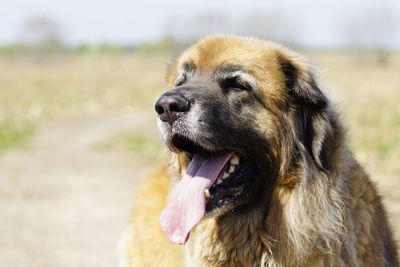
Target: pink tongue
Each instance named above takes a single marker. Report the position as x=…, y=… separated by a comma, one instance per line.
x=187, y=202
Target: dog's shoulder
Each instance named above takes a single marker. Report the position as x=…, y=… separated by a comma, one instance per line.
x=143, y=242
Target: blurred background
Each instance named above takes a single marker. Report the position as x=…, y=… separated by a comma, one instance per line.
x=78, y=81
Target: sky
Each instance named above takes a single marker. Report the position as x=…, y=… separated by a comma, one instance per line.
x=133, y=21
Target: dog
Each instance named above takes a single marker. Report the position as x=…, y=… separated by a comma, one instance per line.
x=260, y=173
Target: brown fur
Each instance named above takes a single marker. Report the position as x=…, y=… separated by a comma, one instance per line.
x=311, y=217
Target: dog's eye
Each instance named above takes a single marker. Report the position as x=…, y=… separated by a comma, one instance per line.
x=181, y=80
x=234, y=83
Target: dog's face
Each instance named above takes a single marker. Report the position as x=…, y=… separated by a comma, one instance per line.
x=243, y=97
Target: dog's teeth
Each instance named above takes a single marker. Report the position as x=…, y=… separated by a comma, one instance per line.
x=207, y=193
x=226, y=175
x=231, y=169
x=219, y=181
x=234, y=160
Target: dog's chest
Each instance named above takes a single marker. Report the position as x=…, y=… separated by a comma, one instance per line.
x=206, y=247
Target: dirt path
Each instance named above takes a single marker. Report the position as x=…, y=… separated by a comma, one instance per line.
x=61, y=202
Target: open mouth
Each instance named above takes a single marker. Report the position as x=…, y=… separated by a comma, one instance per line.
x=213, y=179
x=230, y=182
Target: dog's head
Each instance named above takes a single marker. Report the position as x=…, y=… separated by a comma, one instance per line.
x=241, y=112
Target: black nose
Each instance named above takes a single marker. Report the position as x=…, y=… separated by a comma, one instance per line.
x=170, y=106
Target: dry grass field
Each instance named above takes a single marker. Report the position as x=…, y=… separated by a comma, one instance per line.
x=78, y=131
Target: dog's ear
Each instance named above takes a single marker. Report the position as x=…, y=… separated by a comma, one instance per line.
x=311, y=108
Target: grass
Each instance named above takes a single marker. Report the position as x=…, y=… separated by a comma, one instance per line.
x=14, y=133
x=76, y=85
x=131, y=142
x=73, y=86
x=135, y=143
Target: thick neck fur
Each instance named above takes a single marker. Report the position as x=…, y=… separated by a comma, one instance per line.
x=297, y=226
x=294, y=226
x=223, y=241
